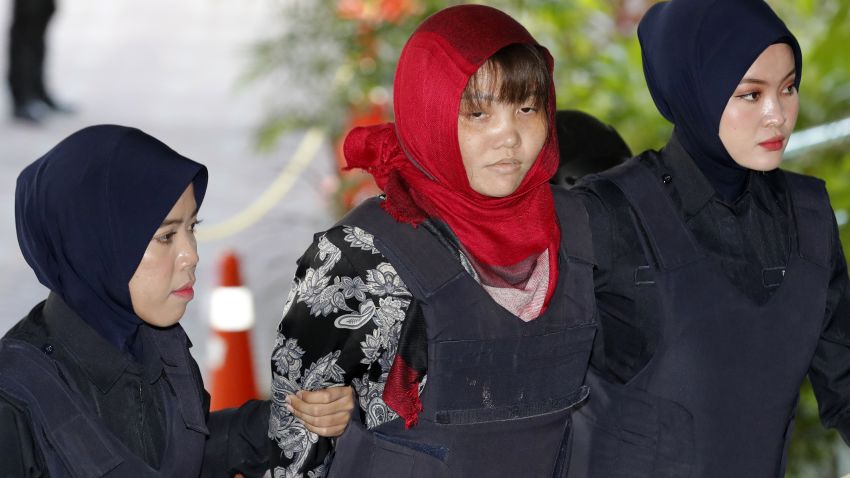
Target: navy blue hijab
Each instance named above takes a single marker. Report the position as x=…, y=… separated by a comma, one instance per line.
x=86, y=211
x=695, y=52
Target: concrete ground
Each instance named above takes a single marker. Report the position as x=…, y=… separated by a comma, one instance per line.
x=174, y=70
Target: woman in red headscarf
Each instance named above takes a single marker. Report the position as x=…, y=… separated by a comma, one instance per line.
x=452, y=304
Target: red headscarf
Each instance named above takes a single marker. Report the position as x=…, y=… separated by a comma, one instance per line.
x=418, y=163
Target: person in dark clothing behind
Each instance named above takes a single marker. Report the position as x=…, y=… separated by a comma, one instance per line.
x=98, y=379
x=721, y=280
x=586, y=146
x=27, y=50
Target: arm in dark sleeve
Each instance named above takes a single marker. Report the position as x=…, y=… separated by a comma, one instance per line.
x=627, y=313
x=19, y=456
x=238, y=441
x=600, y=226
x=830, y=368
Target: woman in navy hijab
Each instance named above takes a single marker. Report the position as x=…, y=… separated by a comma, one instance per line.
x=98, y=379
x=721, y=280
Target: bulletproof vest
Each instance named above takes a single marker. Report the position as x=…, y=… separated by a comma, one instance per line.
x=74, y=440
x=499, y=391
x=719, y=395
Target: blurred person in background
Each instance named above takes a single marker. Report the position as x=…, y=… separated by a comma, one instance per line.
x=586, y=146
x=31, y=101
x=454, y=305
x=98, y=380
x=721, y=280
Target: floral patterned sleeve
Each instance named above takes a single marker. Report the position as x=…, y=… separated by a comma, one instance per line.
x=341, y=325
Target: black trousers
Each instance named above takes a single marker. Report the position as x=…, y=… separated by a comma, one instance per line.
x=27, y=50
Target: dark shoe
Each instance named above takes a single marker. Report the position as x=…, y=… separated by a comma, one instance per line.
x=33, y=111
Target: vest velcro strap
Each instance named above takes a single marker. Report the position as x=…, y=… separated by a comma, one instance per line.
x=511, y=412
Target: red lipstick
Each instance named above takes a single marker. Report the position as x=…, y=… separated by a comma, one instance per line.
x=773, y=144
x=185, y=291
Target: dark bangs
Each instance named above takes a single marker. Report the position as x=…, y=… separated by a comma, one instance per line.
x=519, y=73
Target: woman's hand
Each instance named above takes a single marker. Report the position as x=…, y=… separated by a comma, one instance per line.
x=324, y=412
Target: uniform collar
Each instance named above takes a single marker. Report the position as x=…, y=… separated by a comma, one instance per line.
x=693, y=188
x=101, y=361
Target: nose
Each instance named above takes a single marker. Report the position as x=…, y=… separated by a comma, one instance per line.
x=508, y=133
x=774, y=113
x=187, y=253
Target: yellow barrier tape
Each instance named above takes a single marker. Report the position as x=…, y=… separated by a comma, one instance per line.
x=304, y=154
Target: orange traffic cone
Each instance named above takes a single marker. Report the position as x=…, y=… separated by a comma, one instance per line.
x=231, y=318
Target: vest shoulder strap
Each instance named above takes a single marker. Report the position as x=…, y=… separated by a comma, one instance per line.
x=812, y=216
x=173, y=345
x=421, y=259
x=668, y=236
x=57, y=412
x=576, y=238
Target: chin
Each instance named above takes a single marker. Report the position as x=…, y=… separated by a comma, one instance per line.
x=763, y=161
x=165, y=319
x=768, y=163
x=499, y=190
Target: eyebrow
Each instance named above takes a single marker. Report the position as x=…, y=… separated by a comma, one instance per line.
x=756, y=81
x=478, y=97
x=171, y=222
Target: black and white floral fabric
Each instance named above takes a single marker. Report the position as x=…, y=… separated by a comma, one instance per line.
x=341, y=325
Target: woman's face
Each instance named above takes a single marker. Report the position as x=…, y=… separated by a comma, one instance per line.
x=162, y=284
x=499, y=142
x=760, y=115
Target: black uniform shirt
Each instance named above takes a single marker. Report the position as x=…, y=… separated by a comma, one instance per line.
x=126, y=396
x=120, y=388
x=751, y=239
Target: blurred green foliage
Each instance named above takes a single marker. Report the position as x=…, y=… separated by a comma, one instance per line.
x=344, y=66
